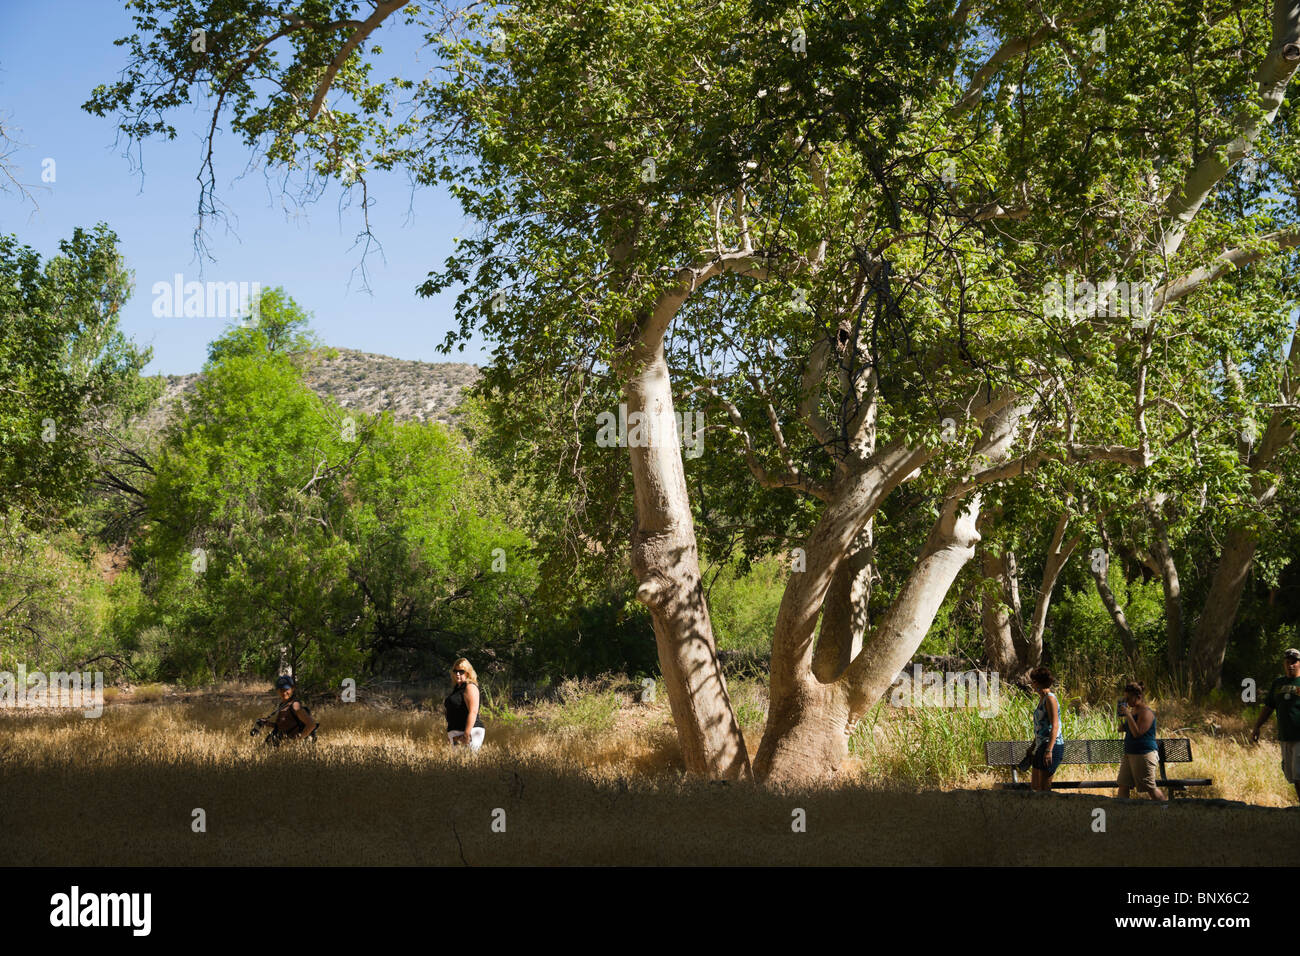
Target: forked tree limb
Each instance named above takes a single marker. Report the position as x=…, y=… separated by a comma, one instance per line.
x=382, y=12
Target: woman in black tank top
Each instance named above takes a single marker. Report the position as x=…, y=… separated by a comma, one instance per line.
x=462, y=706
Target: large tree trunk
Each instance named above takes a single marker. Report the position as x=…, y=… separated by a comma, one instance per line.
x=807, y=733
x=1210, y=642
x=844, y=614
x=1116, y=614
x=996, y=613
x=809, y=721
x=950, y=546
x=806, y=737
x=666, y=564
x=1162, y=558
x=805, y=730
x=1058, y=552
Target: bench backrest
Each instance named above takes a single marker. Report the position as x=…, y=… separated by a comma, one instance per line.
x=1007, y=753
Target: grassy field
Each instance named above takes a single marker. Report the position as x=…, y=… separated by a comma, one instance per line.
x=587, y=776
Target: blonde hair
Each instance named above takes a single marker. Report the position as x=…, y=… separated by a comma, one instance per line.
x=470, y=675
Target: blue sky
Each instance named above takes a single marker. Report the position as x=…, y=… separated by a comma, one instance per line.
x=54, y=52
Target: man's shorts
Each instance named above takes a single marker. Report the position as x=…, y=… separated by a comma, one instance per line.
x=1291, y=760
x=1140, y=771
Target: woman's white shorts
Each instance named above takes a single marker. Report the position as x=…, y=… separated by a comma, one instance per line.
x=475, y=736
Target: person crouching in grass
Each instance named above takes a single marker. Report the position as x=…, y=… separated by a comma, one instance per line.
x=293, y=721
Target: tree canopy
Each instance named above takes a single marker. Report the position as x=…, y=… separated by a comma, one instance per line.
x=65, y=368
x=934, y=268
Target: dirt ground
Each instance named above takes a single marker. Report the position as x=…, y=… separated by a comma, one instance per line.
x=484, y=812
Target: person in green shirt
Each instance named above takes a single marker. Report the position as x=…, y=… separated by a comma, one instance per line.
x=1284, y=697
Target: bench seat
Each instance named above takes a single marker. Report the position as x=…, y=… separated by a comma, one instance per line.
x=1008, y=753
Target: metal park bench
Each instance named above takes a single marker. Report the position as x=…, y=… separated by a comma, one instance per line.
x=1008, y=753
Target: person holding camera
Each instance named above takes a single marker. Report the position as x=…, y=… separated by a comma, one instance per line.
x=1049, y=741
x=292, y=720
x=1141, y=762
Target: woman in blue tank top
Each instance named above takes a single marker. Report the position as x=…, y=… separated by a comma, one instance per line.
x=1141, y=757
x=1049, y=741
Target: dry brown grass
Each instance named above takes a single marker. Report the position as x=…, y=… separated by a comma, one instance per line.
x=382, y=787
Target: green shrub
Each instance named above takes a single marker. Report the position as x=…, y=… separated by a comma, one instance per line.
x=588, y=706
x=1084, y=648
x=496, y=706
x=749, y=702
x=743, y=607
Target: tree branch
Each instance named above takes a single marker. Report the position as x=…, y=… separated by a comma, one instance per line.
x=382, y=12
x=1273, y=76
x=1009, y=50
x=1226, y=261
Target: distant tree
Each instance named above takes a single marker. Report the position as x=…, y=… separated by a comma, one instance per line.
x=277, y=520
x=276, y=325
x=65, y=367
x=57, y=610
